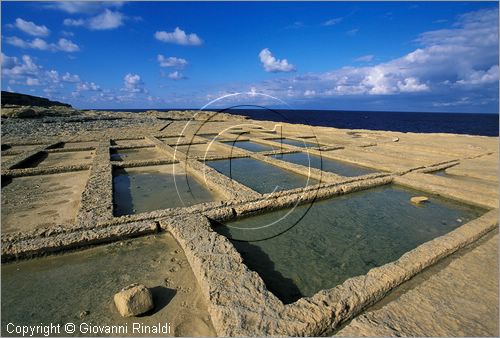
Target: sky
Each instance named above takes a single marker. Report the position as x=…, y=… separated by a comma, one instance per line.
x=388, y=56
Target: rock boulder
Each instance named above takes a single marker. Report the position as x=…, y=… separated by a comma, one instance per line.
x=133, y=300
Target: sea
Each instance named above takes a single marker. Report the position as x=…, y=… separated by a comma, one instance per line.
x=416, y=122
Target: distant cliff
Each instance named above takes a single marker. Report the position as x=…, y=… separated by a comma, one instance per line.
x=17, y=99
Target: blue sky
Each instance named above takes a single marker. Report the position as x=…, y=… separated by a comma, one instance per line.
x=397, y=56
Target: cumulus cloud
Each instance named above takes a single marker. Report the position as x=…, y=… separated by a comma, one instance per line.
x=273, y=65
x=448, y=62
x=71, y=78
x=87, y=86
x=68, y=46
x=176, y=76
x=24, y=71
x=178, y=36
x=31, y=28
x=106, y=20
x=480, y=77
x=132, y=83
x=83, y=7
x=171, y=61
x=62, y=45
x=14, y=68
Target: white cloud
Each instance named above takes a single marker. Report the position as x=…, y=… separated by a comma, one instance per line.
x=106, y=20
x=178, y=36
x=133, y=84
x=53, y=76
x=171, y=61
x=15, y=68
x=332, y=22
x=83, y=7
x=176, y=76
x=31, y=28
x=87, y=86
x=481, y=77
x=31, y=81
x=412, y=85
x=273, y=65
x=71, y=78
x=447, y=61
x=63, y=45
x=25, y=71
x=364, y=58
x=74, y=22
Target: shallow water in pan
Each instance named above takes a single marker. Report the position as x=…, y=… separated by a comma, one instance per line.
x=251, y=146
x=260, y=176
x=325, y=164
x=78, y=287
x=320, y=246
x=144, y=189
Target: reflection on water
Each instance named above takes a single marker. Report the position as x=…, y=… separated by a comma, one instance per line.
x=340, y=238
x=260, y=176
x=137, y=190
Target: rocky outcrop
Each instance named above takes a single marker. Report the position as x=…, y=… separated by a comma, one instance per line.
x=17, y=99
x=36, y=112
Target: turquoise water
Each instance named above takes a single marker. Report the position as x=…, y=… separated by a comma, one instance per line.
x=260, y=176
x=325, y=164
x=320, y=246
x=137, y=190
x=251, y=146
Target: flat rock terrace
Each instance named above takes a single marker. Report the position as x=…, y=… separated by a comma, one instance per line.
x=74, y=182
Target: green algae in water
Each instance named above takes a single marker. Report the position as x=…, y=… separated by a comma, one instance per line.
x=137, y=190
x=250, y=146
x=318, y=248
x=57, y=289
x=260, y=176
x=325, y=164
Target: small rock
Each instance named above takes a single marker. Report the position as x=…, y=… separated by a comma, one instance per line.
x=174, y=269
x=419, y=199
x=133, y=300
x=395, y=139
x=83, y=314
x=459, y=220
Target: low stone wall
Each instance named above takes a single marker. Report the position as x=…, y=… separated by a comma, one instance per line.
x=240, y=304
